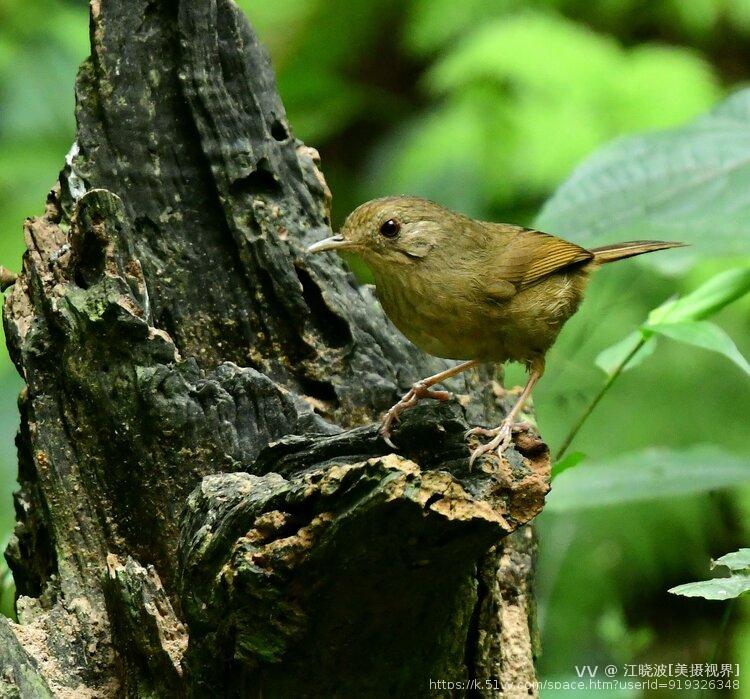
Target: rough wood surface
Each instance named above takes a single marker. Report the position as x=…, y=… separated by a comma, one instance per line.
x=205, y=505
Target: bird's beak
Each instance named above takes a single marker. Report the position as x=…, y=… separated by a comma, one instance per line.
x=335, y=242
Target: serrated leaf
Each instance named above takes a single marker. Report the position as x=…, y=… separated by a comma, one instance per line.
x=708, y=299
x=650, y=474
x=610, y=359
x=737, y=560
x=702, y=333
x=690, y=184
x=718, y=588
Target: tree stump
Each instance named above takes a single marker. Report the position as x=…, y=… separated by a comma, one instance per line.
x=206, y=508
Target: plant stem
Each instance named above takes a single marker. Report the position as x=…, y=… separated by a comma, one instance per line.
x=590, y=407
x=720, y=636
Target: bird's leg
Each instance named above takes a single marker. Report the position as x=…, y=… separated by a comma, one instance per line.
x=421, y=389
x=501, y=435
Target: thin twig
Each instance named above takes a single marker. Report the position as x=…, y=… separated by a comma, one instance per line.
x=589, y=409
x=720, y=638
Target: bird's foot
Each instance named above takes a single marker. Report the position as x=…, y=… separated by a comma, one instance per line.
x=416, y=393
x=500, y=441
x=501, y=438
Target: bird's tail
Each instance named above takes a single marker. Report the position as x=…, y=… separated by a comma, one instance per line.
x=619, y=251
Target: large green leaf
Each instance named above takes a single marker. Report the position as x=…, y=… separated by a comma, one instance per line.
x=646, y=475
x=703, y=334
x=690, y=184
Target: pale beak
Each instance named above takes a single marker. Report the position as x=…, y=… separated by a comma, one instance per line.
x=333, y=243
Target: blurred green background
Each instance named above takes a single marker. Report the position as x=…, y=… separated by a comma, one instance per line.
x=487, y=106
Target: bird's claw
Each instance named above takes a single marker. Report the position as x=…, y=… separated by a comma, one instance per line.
x=501, y=438
x=386, y=436
x=389, y=418
x=416, y=393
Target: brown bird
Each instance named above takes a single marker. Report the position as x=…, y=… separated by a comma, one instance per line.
x=471, y=290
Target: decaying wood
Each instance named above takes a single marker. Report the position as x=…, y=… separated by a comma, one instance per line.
x=205, y=506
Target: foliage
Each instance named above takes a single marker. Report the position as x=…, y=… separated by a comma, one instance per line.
x=497, y=103
x=435, y=22
x=568, y=461
x=607, y=194
x=735, y=584
x=684, y=320
x=681, y=320
x=651, y=474
x=688, y=184
x=665, y=185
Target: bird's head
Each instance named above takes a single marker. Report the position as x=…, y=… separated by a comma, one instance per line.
x=392, y=231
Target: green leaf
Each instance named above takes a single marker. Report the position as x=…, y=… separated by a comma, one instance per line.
x=646, y=475
x=722, y=588
x=689, y=184
x=708, y=299
x=569, y=461
x=610, y=359
x=702, y=333
x=718, y=588
x=679, y=319
x=737, y=560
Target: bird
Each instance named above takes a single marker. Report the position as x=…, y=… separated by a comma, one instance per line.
x=471, y=290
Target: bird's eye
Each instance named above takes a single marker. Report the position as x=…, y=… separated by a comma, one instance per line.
x=390, y=228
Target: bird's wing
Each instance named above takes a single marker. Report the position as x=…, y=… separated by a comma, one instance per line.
x=523, y=256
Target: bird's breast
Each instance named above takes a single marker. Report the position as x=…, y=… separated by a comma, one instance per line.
x=444, y=319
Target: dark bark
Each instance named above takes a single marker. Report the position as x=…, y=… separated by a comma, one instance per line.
x=205, y=505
